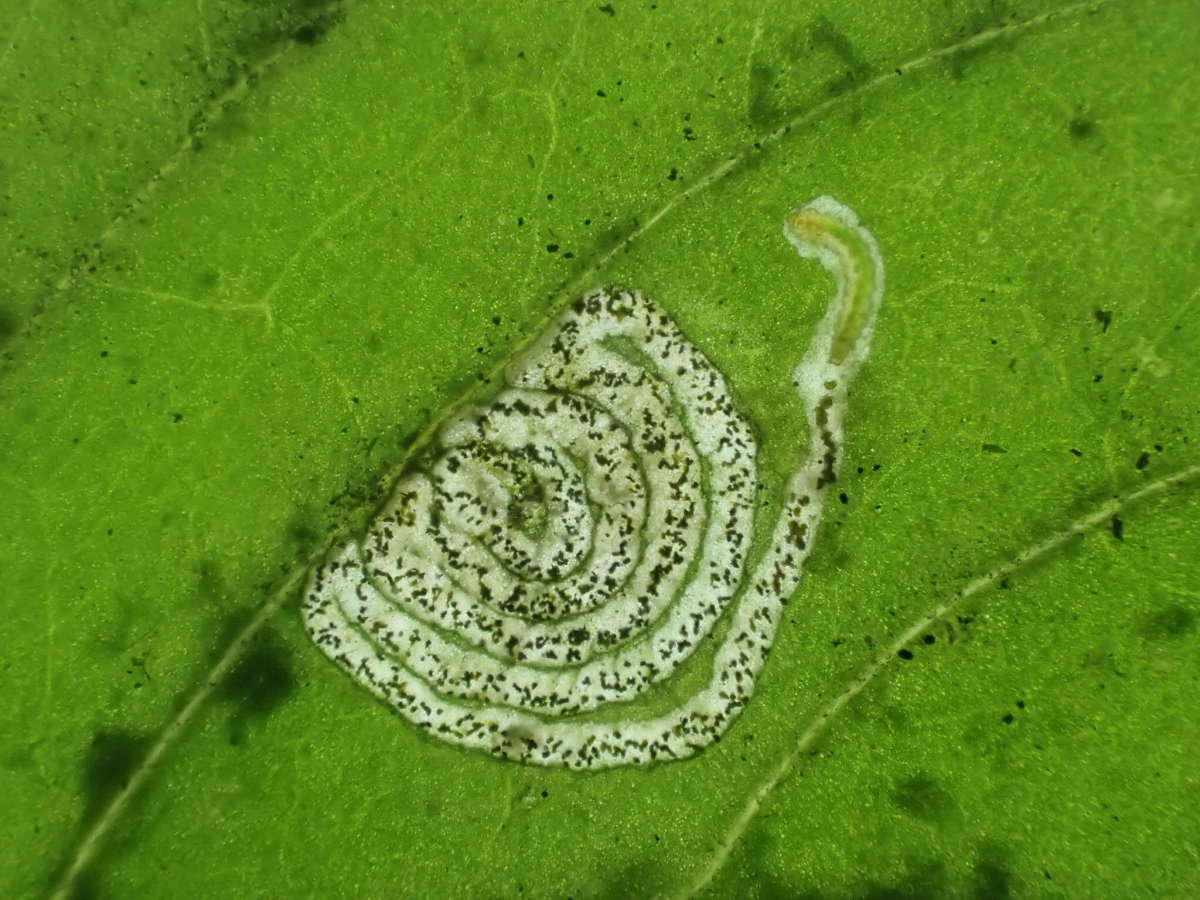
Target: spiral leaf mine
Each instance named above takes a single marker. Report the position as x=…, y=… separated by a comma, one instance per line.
x=561, y=551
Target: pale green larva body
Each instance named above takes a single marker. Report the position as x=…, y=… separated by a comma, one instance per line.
x=830, y=232
x=566, y=546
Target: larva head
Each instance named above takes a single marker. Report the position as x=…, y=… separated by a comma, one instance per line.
x=809, y=224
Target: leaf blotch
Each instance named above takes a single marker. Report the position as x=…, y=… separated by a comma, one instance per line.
x=302, y=22
x=260, y=682
x=1080, y=128
x=977, y=24
x=208, y=279
x=301, y=533
x=307, y=35
x=758, y=866
x=209, y=582
x=109, y=763
x=642, y=878
x=8, y=326
x=1170, y=622
x=478, y=45
x=86, y=887
x=924, y=880
x=374, y=343
x=922, y=797
x=825, y=35
x=111, y=760
x=993, y=876
x=764, y=111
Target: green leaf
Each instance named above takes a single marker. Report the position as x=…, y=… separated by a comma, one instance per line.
x=251, y=250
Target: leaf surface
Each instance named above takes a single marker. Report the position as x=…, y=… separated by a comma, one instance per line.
x=250, y=251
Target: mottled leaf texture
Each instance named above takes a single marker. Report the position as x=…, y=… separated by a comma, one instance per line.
x=252, y=254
